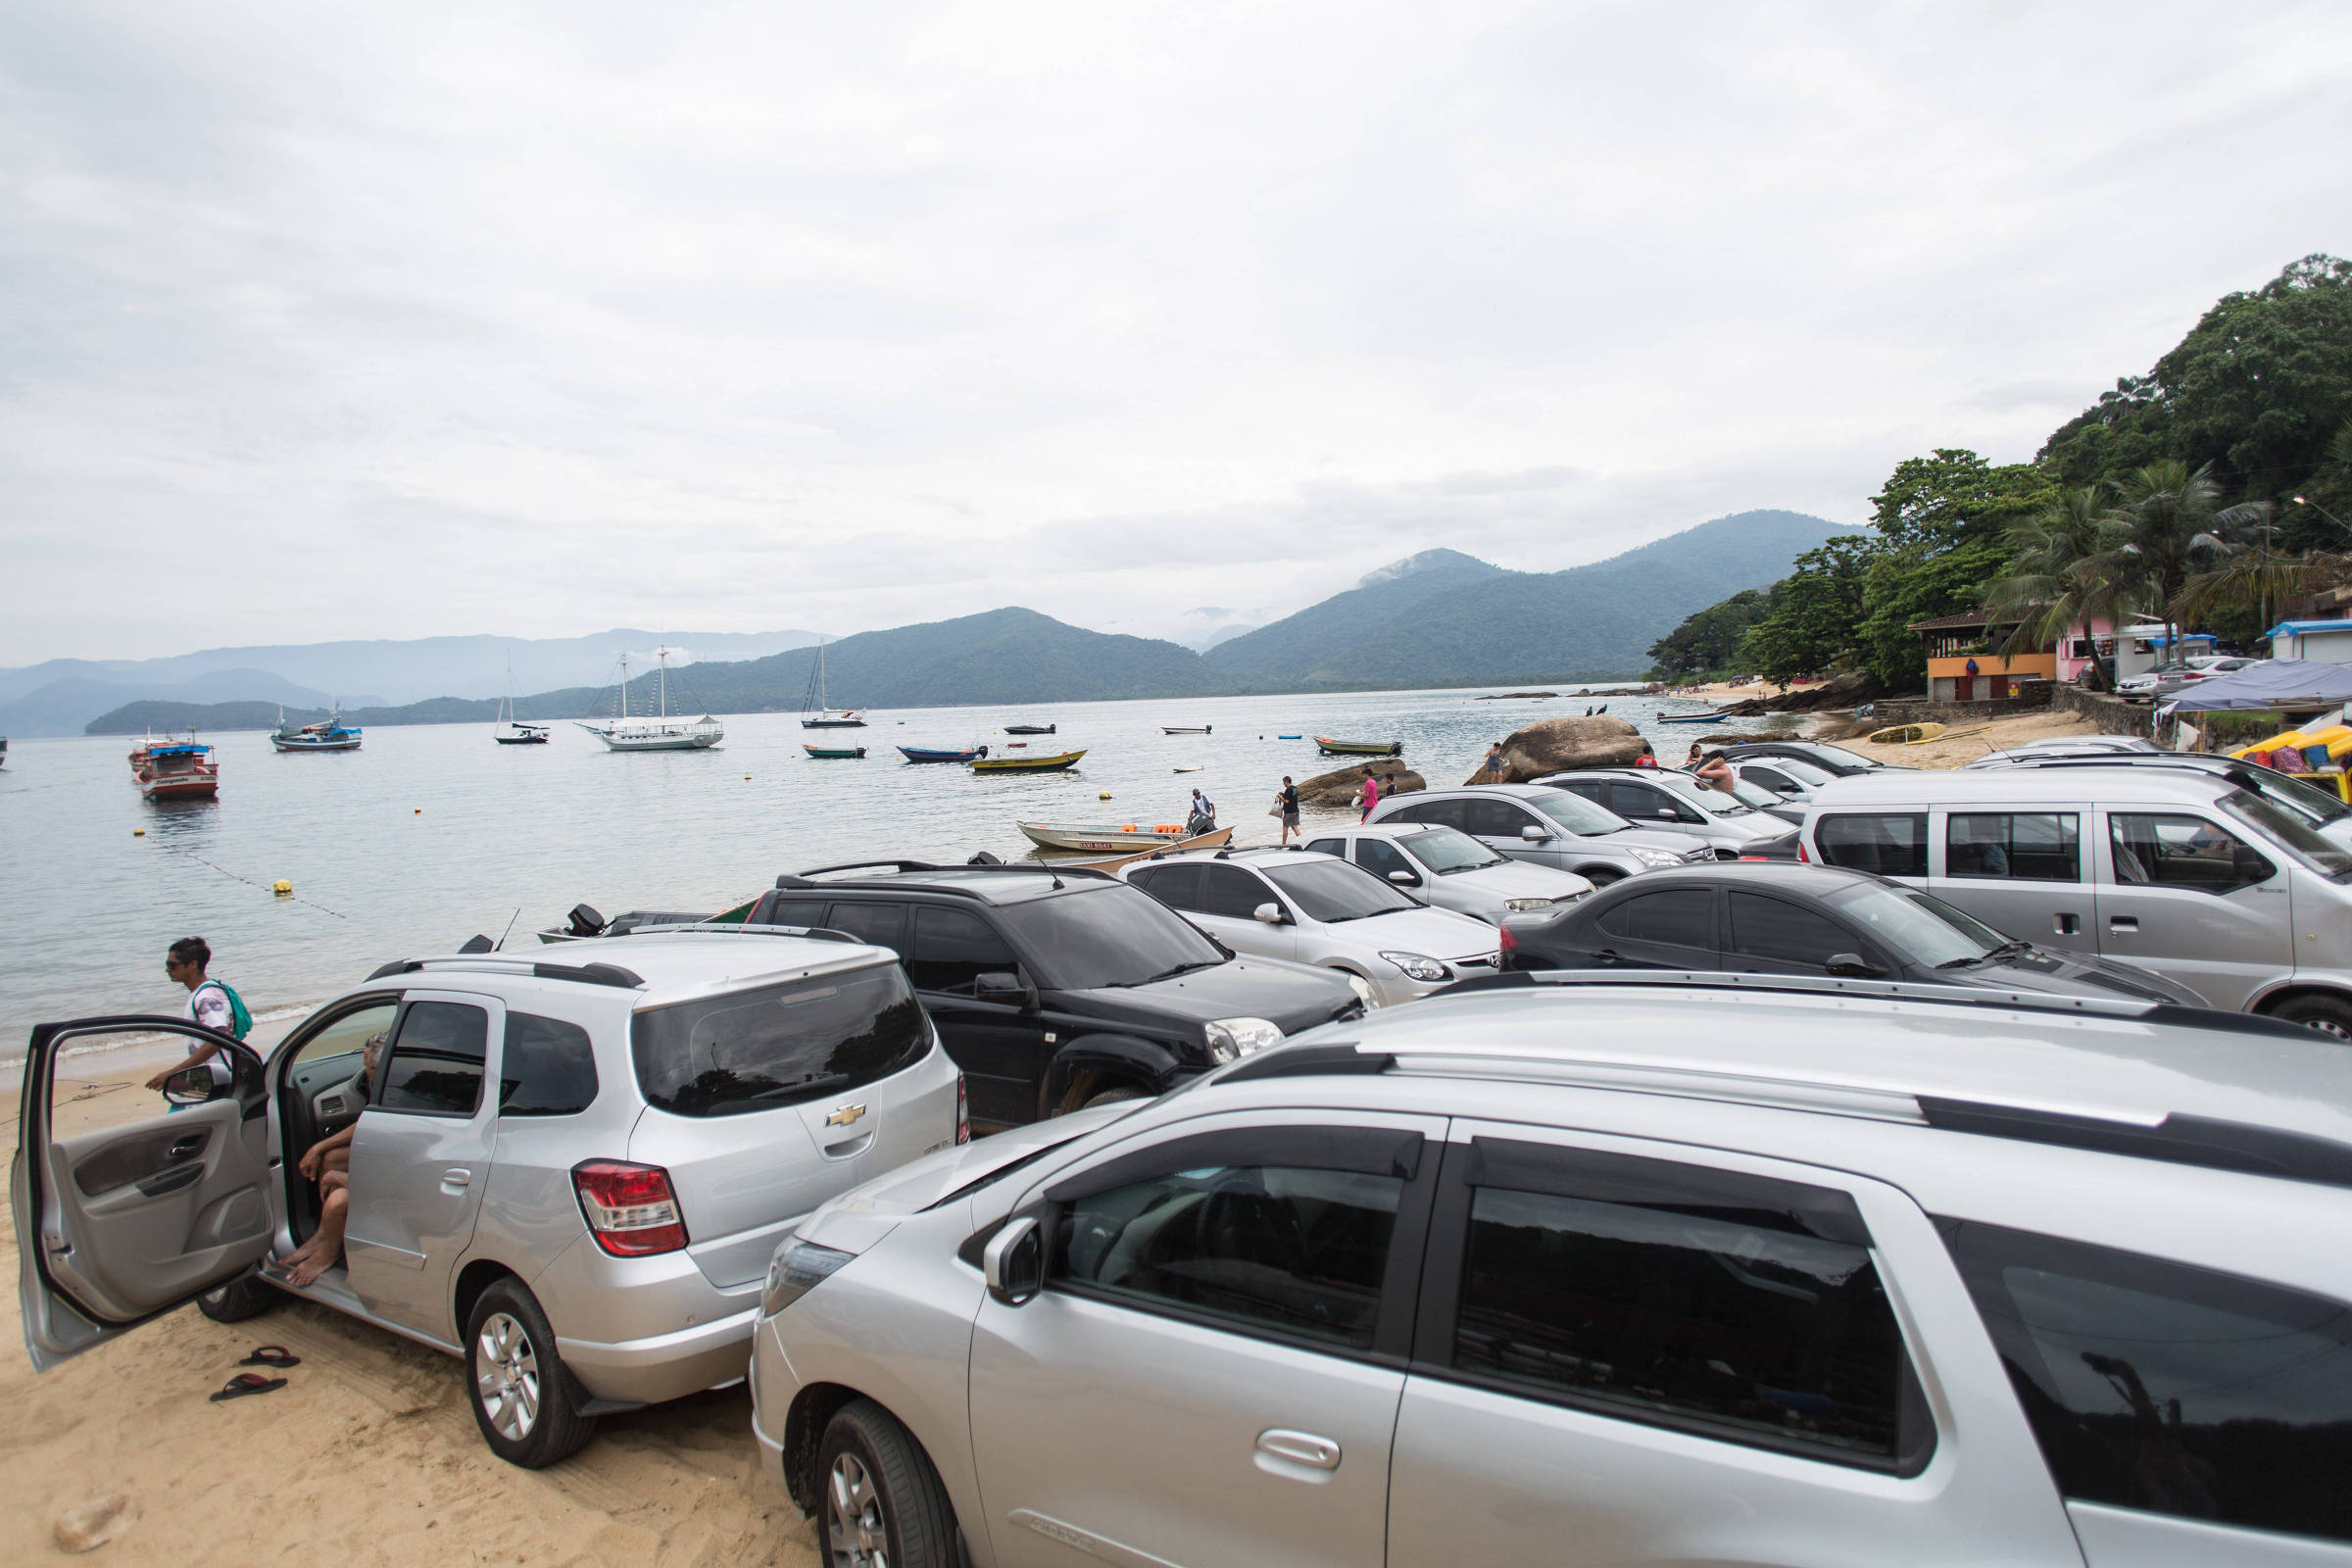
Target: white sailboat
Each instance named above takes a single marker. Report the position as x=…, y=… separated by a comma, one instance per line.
x=660, y=732
x=814, y=714
x=511, y=731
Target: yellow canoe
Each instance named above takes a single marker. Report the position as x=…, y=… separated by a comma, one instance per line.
x=1906, y=734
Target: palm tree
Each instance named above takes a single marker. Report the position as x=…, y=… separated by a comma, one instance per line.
x=2058, y=583
x=2169, y=527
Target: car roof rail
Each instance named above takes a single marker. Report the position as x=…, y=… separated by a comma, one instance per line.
x=815, y=933
x=800, y=879
x=595, y=974
x=1833, y=985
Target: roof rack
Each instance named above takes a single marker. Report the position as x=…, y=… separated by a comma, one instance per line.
x=800, y=879
x=805, y=879
x=815, y=933
x=1831, y=985
x=592, y=974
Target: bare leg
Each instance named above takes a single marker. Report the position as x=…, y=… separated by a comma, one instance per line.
x=331, y=1183
x=325, y=1247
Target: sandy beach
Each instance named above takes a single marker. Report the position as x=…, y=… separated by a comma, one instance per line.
x=367, y=1456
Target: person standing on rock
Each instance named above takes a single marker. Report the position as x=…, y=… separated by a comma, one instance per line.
x=1286, y=801
x=1493, y=771
x=1369, y=796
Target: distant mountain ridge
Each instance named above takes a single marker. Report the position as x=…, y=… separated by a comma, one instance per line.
x=1437, y=619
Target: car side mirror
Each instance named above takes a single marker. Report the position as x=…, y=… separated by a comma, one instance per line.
x=191, y=1086
x=1534, y=835
x=1404, y=879
x=1271, y=914
x=1852, y=966
x=996, y=985
x=1014, y=1261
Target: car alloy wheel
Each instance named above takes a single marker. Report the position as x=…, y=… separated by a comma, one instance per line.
x=508, y=1377
x=856, y=1533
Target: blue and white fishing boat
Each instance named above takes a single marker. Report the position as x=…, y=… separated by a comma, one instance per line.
x=329, y=734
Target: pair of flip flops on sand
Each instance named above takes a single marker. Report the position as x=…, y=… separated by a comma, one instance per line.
x=245, y=1383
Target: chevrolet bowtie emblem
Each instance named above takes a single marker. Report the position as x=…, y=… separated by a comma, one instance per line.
x=843, y=1116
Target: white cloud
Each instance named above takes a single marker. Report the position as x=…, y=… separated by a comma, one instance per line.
x=540, y=317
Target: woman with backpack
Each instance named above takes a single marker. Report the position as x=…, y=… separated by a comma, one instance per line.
x=211, y=1005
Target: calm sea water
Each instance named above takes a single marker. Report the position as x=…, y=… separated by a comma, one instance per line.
x=431, y=833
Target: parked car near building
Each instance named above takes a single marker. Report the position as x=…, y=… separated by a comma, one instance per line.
x=2187, y=873
x=1562, y=1272
x=1544, y=826
x=1809, y=920
x=1821, y=754
x=1294, y=903
x=569, y=1175
x=1055, y=988
x=1448, y=868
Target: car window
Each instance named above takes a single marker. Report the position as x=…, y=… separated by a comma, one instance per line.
x=348, y=1034
x=2158, y=1386
x=777, y=1044
x=1449, y=814
x=1772, y=778
x=1782, y=932
x=1107, y=934
x=952, y=948
x=1590, y=789
x=1497, y=820
x=797, y=911
x=1176, y=886
x=2290, y=829
x=2020, y=845
x=1580, y=817
x=1745, y=1307
x=1379, y=856
x=1338, y=847
x=1332, y=891
x=1889, y=844
x=1923, y=928
x=1682, y=916
x=882, y=924
x=1296, y=1251
x=548, y=1068
x=1445, y=851
x=1232, y=893
x=435, y=1062
x=1638, y=803
x=1810, y=774
x=2158, y=850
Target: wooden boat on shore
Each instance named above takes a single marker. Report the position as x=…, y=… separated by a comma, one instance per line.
x=1693, y=719
x=833, y=753
x=175, y=770
x=1185, y=729
x=1332, y=748
x=1029, y=729
x=1103, y=840
x=1051, y=763
x=933, y=754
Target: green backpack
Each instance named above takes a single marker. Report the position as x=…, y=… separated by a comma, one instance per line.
x=240, y=1017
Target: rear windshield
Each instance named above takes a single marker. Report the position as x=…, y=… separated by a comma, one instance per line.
x=777, y=1044
x=1109, y=935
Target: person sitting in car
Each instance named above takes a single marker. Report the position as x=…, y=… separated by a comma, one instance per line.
x=327, y=1163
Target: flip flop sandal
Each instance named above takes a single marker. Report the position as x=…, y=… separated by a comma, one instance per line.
x=245, y=1383
x=271, y=1355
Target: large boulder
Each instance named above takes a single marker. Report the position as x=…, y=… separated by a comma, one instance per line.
x=1553, y=744
x=1339, y=788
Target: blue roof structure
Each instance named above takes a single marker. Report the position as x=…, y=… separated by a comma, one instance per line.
x=2297, y=628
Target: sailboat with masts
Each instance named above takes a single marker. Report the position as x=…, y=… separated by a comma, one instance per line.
x=814, y=714
x=658, y=732
x=511, y=730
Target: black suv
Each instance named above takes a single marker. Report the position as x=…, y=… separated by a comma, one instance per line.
x=1056, y=987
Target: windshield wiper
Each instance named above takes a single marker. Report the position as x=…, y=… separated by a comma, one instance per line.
x=2007, y=950
x=1165, y=974
x=807, y=1086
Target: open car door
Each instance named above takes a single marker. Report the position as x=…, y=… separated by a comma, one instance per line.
x=118, y=1224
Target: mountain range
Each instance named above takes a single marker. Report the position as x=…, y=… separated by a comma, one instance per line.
x=1437, y=619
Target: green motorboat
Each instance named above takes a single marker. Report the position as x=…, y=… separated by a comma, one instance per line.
x=830, y=753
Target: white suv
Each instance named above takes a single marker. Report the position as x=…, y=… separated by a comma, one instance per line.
x=1612, y=1269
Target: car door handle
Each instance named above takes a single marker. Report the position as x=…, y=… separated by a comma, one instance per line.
x=186, y=1148
x=2122, y=922
x=2066, y=925
x=456, y=1176
x=1608, y=956
x=1298, y=1448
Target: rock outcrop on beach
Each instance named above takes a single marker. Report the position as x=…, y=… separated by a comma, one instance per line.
x=1551, y=745
x=1339, y=788
x=1838, y=690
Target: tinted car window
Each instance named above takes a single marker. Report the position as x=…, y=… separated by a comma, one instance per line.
x=1691, y=1309
x=953, y=949
x=1784, y=933
x=2157, y=1386
x=436, y=1059
x=1682, y=916
x=1296, y=1251
x=1580, y=817
x=1337, y=847
x=1637, y=802
x=1925, y=929
x=2288, y=828
x=1335, y=891
x=882, y=924
x=1107, y=934
x=1497, y=820
x=1176, y=886
x=797, y=911
x=1450, y=813
x=1772, y=778
x=548, y=1068
x=777, y=1044
x=1379, y=856
x=2023, y=846
x=2153, y=850
x=1229, y=892
x=1893, y=844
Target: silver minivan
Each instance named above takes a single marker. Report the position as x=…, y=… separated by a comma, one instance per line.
x=569, y=1174
x=2178, y=870
x=1546, y=826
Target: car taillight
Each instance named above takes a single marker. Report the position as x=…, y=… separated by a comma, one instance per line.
x=1507, y=943
x=963, y=1112
x=1801, y=853
x=1755, y=857
x=631, y=1210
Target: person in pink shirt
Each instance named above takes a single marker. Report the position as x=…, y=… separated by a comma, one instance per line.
x=1370, y=795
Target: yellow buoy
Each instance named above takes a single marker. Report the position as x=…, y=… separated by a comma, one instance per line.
x=283, y=887
x=1105, y=796
x=421, y=811
x=138, y=832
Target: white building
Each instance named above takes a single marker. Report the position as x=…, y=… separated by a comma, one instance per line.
x=2330, y=642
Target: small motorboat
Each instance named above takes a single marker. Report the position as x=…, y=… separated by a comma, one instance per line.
x=1332, y=748
x=329, y=734
x=175, y=770
x=522, y=735
x=1054, y=763
x=932, y=753
x=1028, y=729
x=1185, y=729
x=1133, y=836
x=833, y=753
x=1298, y=737
x=1693, y=719
x=1187, y=767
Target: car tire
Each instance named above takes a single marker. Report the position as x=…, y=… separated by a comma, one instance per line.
x=1600, y=876
x=879, y=1498
x=522, y=1396
x=238, y=1300
x=2328, y=1016
x=1113, y=1094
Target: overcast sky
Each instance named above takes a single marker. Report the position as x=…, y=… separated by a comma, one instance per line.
x=336, y=321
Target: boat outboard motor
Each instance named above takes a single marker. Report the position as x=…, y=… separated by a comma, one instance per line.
x=586, y=922
x=478, y=943
x=984, y=858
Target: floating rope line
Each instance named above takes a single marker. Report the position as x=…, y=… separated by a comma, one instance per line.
x=171, y=849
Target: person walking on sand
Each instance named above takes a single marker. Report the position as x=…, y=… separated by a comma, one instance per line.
x=211, y=1005
x=1493, y=771
x=1286, y=801
x=1369, y=796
